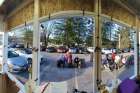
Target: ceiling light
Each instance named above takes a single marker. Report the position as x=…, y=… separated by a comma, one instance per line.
x=1, y=2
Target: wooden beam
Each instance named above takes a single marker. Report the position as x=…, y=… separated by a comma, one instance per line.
x=23, y=5
x=97, y=63
x=137, y=47
x=36, y=44
x=125, y=5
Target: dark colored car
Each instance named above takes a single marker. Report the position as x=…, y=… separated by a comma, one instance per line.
x=51, y=49
x=126, y=50
x=62, y=49
x=73, y=50
x=42, y=48
x=13, y=45
x=28, y=50
x=82, y=50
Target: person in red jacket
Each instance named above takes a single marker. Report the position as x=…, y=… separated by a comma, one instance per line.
x=113, y=56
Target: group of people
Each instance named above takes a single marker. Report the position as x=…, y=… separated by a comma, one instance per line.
x=67, y=60
x=114, y=61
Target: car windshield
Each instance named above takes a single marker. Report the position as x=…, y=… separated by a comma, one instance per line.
x=12, y=54
x=50, y=47
x=28, y=51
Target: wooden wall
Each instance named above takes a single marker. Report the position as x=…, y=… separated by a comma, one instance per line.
x=52, y=6
x=7, y=86
x=20, y=17
x=47, y=7
x=116, y=11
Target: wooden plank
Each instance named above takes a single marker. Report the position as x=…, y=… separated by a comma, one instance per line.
x=109, y=7
x=113, y=9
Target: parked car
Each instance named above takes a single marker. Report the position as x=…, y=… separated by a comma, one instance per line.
x=42, y=48
x=82, y=50
x=51, y=49
x=62, y=49
x=125, y=50
x=132, y=50
x=12, y=45
x=20, y=46
x=106, y=51
x=16, y=63
x=73, y=50
x=27, y=53
x=90, y=49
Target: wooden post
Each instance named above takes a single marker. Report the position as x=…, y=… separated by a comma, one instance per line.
x=5, y=48
x=97, y=66
x=3, y=79
x=36, y=45
x=137, y=69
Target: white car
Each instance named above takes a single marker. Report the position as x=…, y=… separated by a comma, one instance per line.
x=27, y=53
x=106, y=51
x=90, y=49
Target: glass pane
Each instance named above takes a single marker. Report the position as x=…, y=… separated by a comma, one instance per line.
x=20, y=42
x=117, y=52
x=67, y=43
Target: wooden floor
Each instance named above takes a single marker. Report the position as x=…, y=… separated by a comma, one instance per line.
x=6, y=85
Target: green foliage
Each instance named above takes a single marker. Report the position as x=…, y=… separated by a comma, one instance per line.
x=89, y=41
x=110, y=36
x=73, y=30
x=106, y=34
x=125, y=39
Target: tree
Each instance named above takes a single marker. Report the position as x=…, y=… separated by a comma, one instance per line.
x=106, y=34
x=83, y=27
x=49, y=29
x=74, y=30
x=110, y=34
x=69, y=32
x=28, y=37
x=64, y=31
x=125, y=41
x=89, y=40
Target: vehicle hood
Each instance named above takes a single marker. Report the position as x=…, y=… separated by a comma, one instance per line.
x=19, y=61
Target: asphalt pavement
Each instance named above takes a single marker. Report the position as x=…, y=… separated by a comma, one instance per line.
x=73, y=78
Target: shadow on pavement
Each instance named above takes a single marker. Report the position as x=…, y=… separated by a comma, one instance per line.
x=53, y=74
x=126, y=73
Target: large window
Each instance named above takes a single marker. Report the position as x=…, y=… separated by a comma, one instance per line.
x=20, y=42
x=117, y=52
x=62, y=36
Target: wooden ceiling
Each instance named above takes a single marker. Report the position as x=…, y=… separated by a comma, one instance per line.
x=9, y=5
x=133, y=4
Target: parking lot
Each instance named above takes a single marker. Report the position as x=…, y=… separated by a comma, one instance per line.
x=73, y=78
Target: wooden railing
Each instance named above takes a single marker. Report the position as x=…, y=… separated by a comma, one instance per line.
x=10, y=84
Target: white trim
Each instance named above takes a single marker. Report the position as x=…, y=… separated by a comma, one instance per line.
x=115, y=20
x=70, y=13
x=22, y=25
x=18, y=83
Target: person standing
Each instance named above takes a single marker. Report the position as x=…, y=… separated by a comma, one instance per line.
x=68, y=57
x=113, y=56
